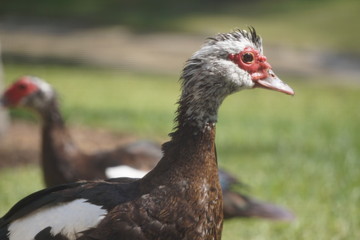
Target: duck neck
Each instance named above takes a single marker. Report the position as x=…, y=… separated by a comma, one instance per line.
x=197, y=146
x=197, y=111
x=58, y=148
x=192, y=145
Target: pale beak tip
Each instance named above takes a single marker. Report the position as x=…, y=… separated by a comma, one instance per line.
x=288, y=90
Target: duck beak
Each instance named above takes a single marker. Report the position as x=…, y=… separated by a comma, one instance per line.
x=272, y=82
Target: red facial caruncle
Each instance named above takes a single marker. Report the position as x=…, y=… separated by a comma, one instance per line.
x=18, y=90
x=253, y=62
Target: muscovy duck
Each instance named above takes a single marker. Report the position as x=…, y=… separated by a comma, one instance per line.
x=63, y=162
x=181, y=197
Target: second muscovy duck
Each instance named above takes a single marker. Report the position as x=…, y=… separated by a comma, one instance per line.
x=181, y=197
x=63, y=162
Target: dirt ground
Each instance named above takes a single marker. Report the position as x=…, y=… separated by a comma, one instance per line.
x=21, y=144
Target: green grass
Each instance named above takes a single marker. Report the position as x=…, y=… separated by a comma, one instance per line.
x=16, y=183
x=301, y=152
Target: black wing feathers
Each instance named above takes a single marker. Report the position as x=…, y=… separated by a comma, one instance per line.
x=103, y=193
x=45, y=234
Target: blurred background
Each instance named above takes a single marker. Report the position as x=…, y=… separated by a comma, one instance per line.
x=116, y=65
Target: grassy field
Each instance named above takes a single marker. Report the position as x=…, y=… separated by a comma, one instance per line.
x=301, y=152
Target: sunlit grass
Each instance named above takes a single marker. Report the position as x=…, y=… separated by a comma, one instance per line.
x=16, y=183
x=301, y=152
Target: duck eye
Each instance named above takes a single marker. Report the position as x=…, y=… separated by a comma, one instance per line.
x=22, y=87
x=247, y=57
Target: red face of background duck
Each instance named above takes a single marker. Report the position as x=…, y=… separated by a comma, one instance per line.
x=20, y=89
x=29, y=92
